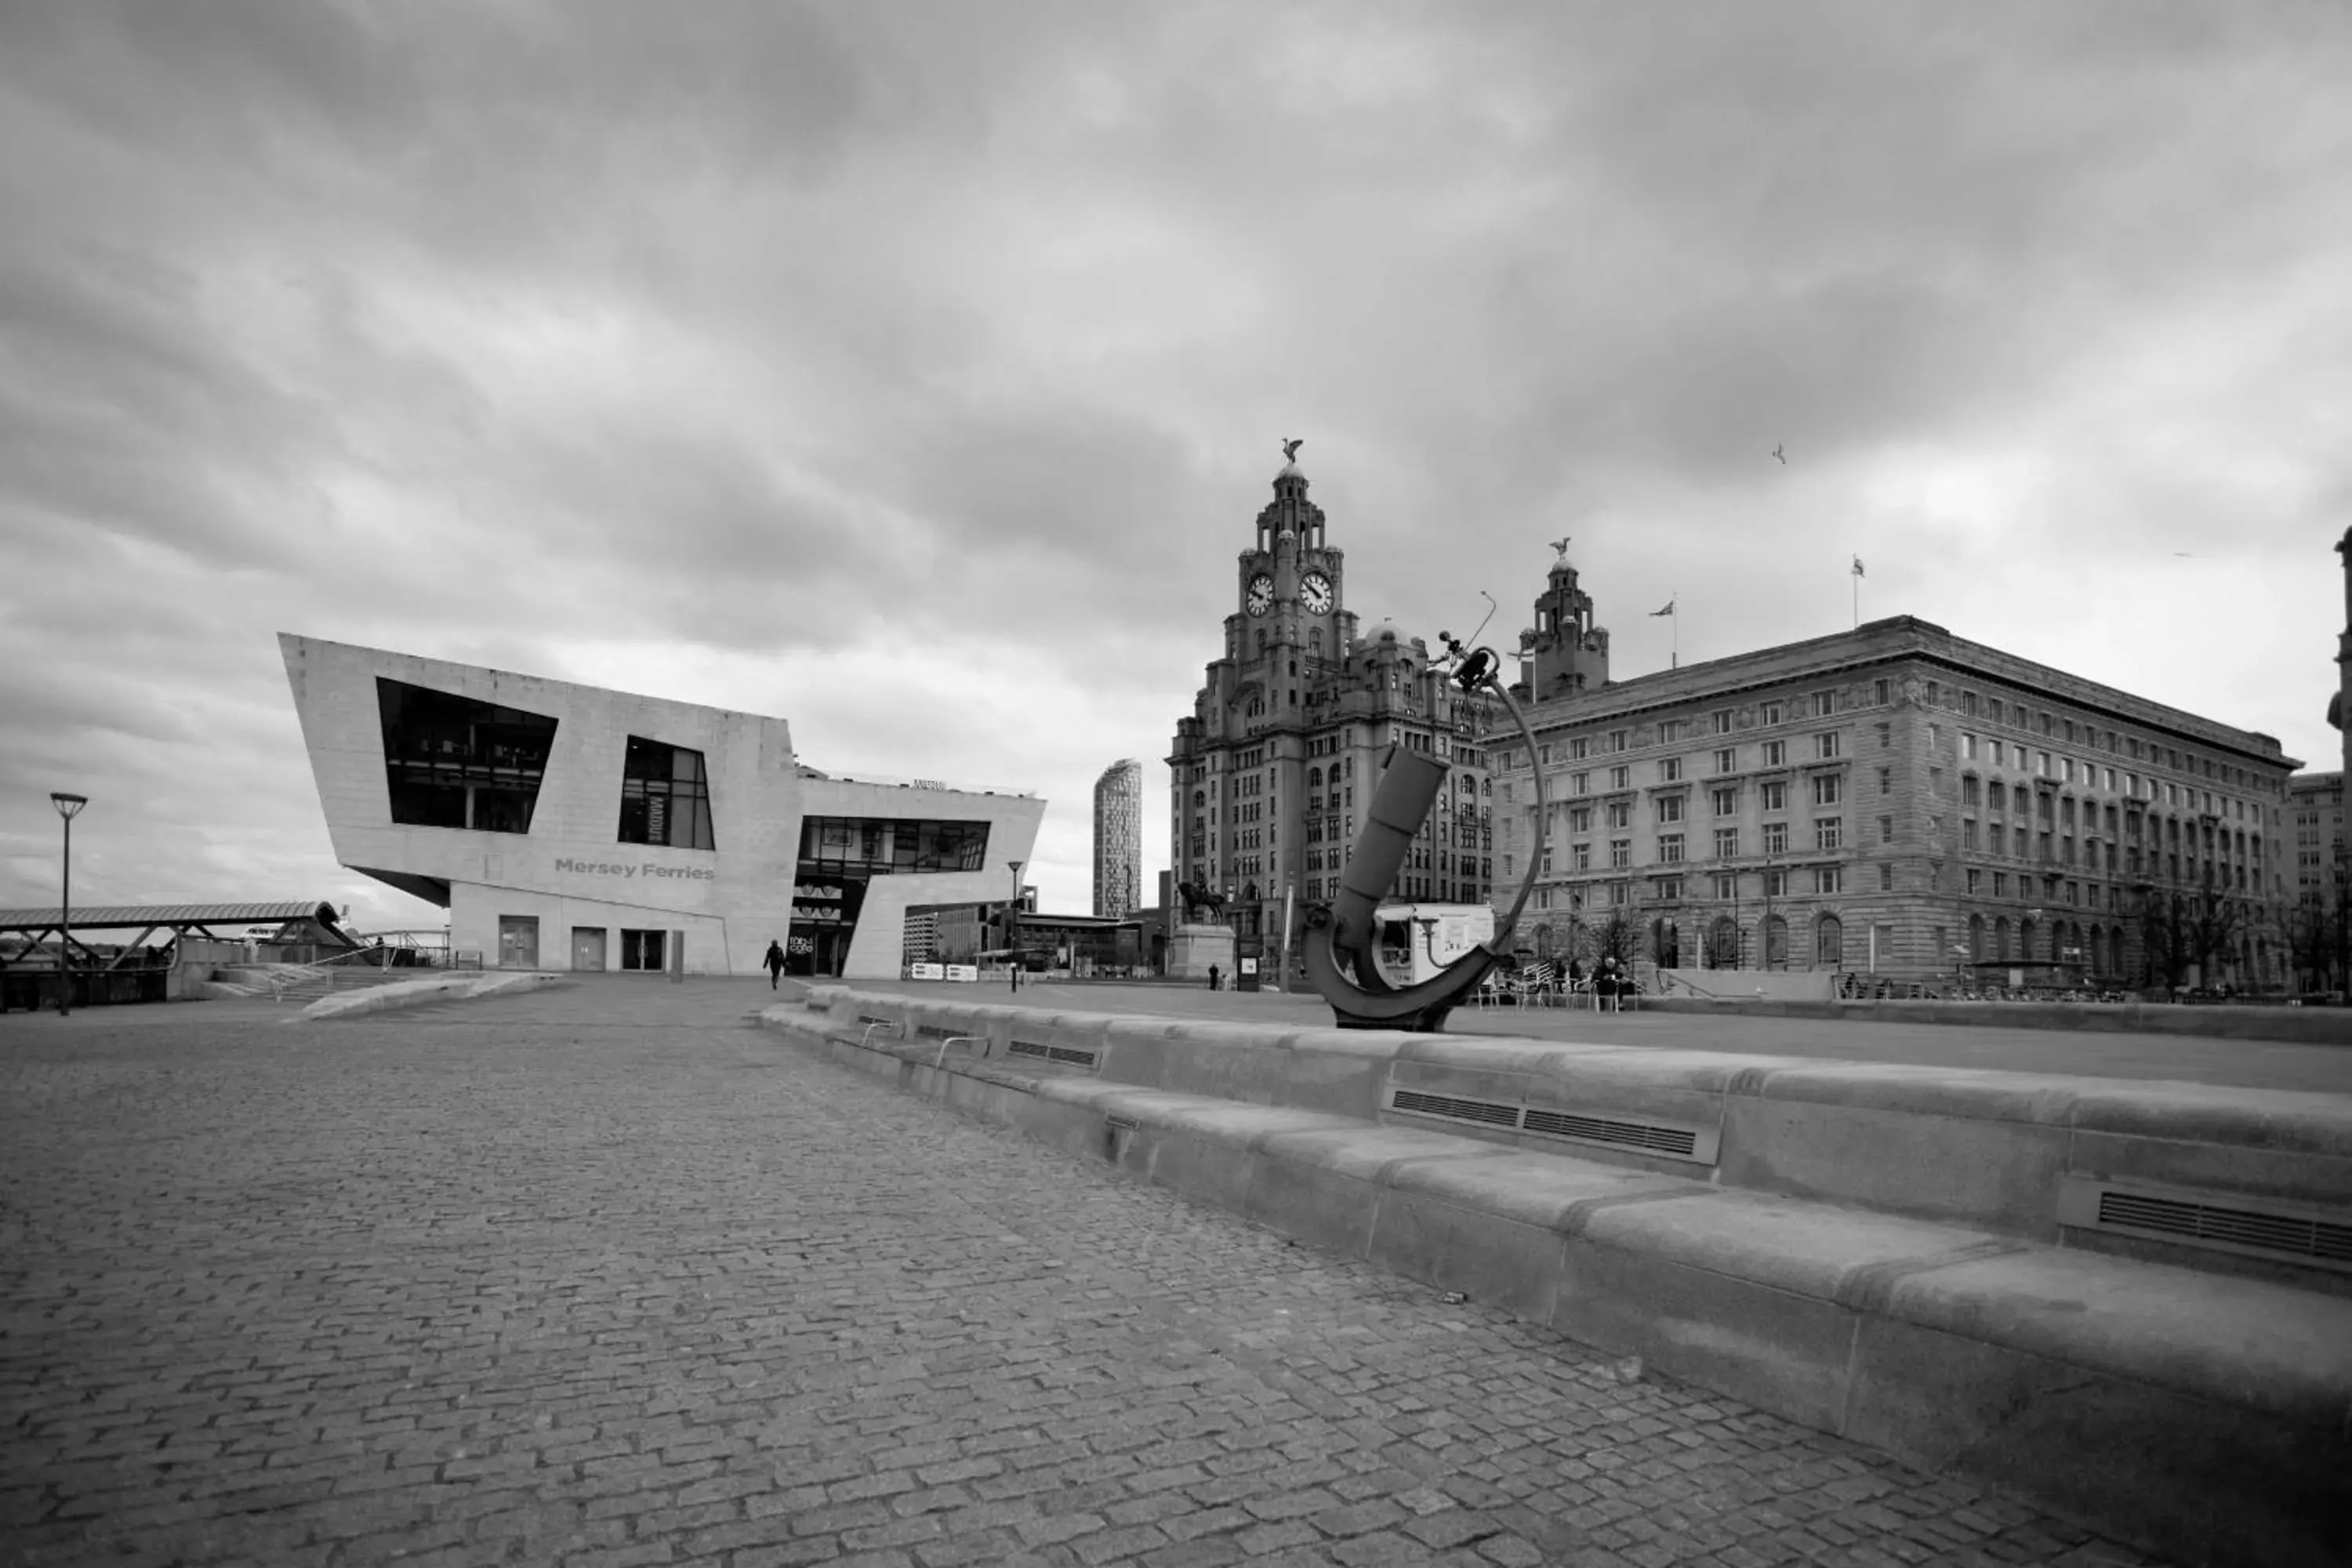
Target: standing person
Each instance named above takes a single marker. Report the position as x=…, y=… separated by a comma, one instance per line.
x=1214, y=978
x=773, y=962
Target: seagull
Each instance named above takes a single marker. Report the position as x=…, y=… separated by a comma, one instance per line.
x=2184, y=555
x=1290, y=448
x=1775, y=452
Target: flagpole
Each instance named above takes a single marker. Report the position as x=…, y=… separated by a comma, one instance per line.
x=1675, y=657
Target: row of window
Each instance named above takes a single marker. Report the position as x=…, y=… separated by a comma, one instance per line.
x=1996, y=710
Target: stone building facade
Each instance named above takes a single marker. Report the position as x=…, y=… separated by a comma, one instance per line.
x=1271, y=773
x=1893, y=799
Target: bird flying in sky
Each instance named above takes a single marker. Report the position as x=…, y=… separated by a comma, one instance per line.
x=1775, y=452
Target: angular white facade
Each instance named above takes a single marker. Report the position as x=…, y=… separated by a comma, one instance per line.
x=535, y=863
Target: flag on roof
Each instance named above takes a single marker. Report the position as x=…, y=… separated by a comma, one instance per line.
x=1667, y=611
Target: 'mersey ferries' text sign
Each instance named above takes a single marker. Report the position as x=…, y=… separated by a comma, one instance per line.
x=616, y=868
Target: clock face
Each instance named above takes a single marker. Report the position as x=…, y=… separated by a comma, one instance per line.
x=1261, y=594
x=1316, y=593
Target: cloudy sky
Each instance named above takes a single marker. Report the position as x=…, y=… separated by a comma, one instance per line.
x=914, y=370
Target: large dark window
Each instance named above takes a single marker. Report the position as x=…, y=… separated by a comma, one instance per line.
x=882, y=845
x=459, y=762
x=665, y=796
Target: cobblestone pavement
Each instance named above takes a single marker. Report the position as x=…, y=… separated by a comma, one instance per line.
x=2251, y=1064
x=601, y=1274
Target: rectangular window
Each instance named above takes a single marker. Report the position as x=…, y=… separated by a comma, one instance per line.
x=1581, y=858
x=1976, y=881
x=1670, y=809
x=1827, y=831
x=1580, y=820
x=1825, y=745
x=1723, y=720
x=1621, y=777
x=1726, y=761
x=892, y=844
x=1886, y=879
x=1621, y=814
x=1726, y=803
x=1726, y=886
x=1727, y=843
x=1825, y=789
x=1824, y=704
x=1620, y=852
x=1617, y=740
x=665, y=796
x=1886, y=831
x=1775, y=838
x=1878, y=691
x=1772, y=714
x=1967, y=747
x=1968, y=833
x=1886, y=736
x=1775, y=753
x=1775, y=795
x=1886, y=781
x=1828, y=878
x=1670, y=769
x=1670, y=889
x=1670, y=847
x=1579, y=783
x=1776, y=884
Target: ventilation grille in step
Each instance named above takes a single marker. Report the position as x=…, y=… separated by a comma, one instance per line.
x=1672, y=1140
x=1679, y=1141
x=2224, y=1221
x=1043, y=1052
x=1480, y=1110
x=933, y=1032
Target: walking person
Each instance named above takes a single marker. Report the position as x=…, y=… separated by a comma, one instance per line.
x=773, y=962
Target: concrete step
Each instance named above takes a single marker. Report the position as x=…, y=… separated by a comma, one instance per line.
x=2201, y=1416
x=2246, y=1182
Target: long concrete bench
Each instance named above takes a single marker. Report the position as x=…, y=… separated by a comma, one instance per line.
x=2204, y=1416
x=2247, y=1182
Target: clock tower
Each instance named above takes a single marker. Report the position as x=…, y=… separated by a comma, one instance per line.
x=1295, y=716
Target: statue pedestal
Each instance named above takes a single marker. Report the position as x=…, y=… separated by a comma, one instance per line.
x=1193, y=948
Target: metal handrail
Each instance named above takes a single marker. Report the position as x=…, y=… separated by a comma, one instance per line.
x=952, y=1039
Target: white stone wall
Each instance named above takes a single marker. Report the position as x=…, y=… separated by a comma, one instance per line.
x=569, y=870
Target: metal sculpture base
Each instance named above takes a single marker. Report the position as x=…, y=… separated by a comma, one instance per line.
x=1417, y=1009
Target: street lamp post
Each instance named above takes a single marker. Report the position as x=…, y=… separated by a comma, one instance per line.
x=68, y=806
x=1011, y=923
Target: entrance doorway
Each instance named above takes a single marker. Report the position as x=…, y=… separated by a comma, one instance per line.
x=644, y=950
x=588, y=947
x=518, y=941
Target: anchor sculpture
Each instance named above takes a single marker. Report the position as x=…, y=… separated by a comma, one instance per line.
x=1342, y=936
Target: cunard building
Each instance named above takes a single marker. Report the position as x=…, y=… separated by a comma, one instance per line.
x=1270, y=773
x=1893, y=799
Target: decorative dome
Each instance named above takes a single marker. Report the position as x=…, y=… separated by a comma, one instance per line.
x=1291, y=471
x=1385, y=631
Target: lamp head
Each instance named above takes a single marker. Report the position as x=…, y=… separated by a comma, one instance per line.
x=68, y=805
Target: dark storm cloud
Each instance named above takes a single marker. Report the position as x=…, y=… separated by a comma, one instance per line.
x=939, y=352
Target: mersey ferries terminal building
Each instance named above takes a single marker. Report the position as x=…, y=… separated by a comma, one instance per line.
x=564, y=826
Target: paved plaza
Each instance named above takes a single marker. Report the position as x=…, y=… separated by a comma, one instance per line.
x=604, y=1275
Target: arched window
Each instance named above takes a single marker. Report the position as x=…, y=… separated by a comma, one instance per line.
x=1829, y=942
x=2000, y=939
x=2094, y=949
x=1543, y=941
x=1723, y=947
x=1976, y=939
x=1199, y=797
x=1776, y=943
x=1665, y=944
x=2025, y=940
